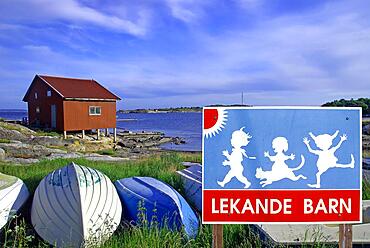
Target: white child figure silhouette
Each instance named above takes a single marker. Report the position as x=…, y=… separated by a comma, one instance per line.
x=279, y=169
x=327, y=158
x=238, y=139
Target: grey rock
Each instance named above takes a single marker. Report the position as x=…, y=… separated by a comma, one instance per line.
x=165, y=140
x=79, y=137
x=26, y=151
x=366, y=175
x=50, y=141
x=127, y=144
x=137, y=150
x=124, y=153
x=64, y=155
x=2, y=154
x=149, y=144
x=12, y=134
x=366, y=163
x=15, y=149
x=366, y=211
x=21, y=160
x=98, y=157
x=41, y=151
x=178, y=141
x=366, y=129
x=16, y=142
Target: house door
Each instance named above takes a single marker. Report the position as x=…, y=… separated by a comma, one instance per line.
x=53, y=116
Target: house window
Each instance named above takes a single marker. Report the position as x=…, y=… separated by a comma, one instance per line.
x=37, y=109
x=94, y=110
x=36, y=95
x=48, y=93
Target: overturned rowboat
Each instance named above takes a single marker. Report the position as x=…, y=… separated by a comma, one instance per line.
x=13, y=195
x=75, y=206
x=149, y=198
x=192, y=182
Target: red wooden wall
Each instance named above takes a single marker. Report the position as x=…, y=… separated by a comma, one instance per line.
x=71, y=115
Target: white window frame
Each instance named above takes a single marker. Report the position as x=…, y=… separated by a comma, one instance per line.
x=48, y=93
x=36, y=95
x=37, y=110
x=92, y=110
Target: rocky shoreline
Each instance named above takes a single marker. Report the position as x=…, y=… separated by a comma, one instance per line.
x=21, y=145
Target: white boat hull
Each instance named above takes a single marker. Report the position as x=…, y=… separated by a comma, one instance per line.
x=75, y=206
x=13, y=194
x=192, y=182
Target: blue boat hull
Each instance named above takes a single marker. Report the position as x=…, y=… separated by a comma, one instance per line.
x=157, y=201
x=192, y=181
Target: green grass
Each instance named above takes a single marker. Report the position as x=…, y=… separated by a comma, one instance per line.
x=162, y=167
x=365, y=153
x=64, y=148
x=234, y=236
x=46, y=133
x=366, y=190
x=25, y=130
x=11, y=126
x=109, y=152
x=4, y=141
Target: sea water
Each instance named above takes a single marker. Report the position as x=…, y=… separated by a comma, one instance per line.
x=178, y=124
x=187, y=126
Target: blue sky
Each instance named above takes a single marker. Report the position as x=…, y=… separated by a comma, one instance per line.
x=161, y=53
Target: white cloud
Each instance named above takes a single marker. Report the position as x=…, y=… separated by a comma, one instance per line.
x=44, y=50
x=71, y=10
x=305, y=58
x=327, y=49
x=188, y=11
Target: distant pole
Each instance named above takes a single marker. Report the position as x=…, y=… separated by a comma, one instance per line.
x=114, y=135
x=98, y=134
x=242, y=98
x=83, y=134
x=345, y=236
x=217, y=236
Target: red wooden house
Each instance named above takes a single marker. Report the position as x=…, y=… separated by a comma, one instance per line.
x=70, y=104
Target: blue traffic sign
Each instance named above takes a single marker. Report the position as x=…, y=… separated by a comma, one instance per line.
x=282, y=148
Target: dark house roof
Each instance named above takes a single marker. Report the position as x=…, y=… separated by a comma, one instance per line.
x=74, y=88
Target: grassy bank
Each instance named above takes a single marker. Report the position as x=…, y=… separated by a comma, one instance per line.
x=162, y=167
x=365, y=190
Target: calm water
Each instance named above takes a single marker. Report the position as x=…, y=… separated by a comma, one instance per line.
x=13, y=114
x=184, y=125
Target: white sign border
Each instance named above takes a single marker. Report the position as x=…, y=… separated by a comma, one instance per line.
x=293, y=108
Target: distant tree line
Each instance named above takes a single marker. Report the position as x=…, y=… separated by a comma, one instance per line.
x=178, y=109
x=161, y=110
x=364, y=103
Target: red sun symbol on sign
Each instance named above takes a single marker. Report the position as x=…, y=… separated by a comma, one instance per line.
x=214, y=121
